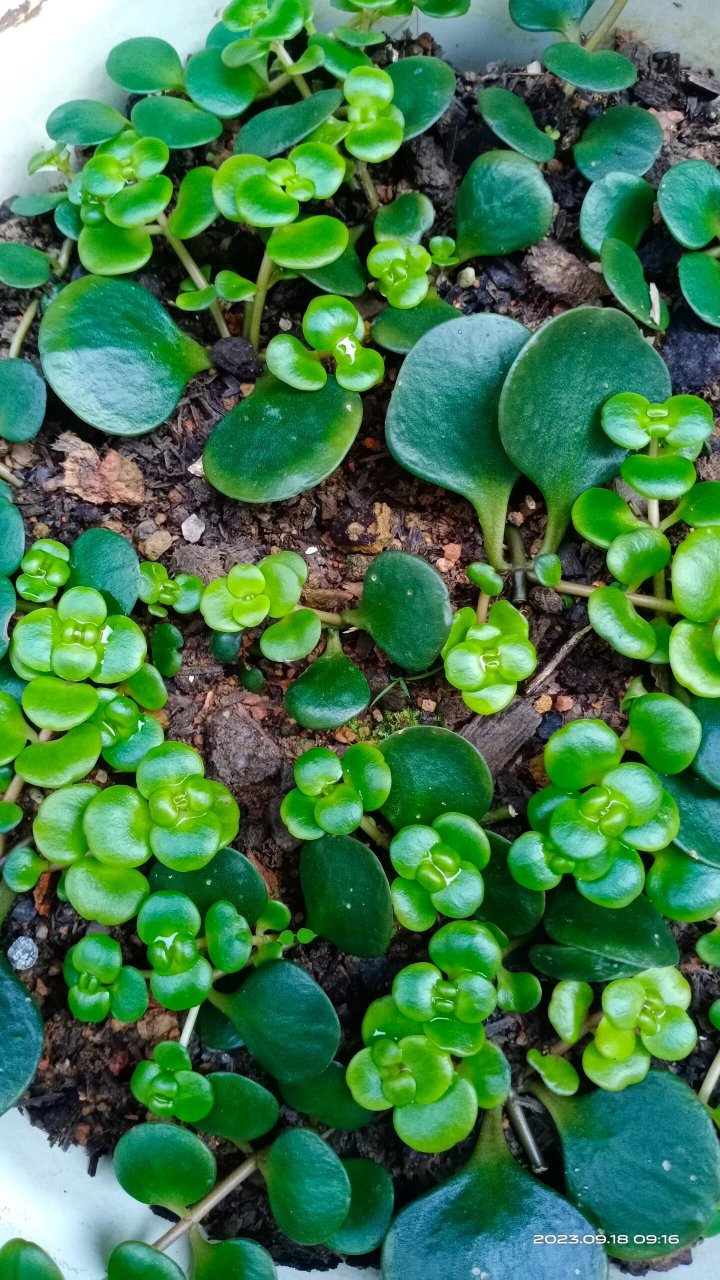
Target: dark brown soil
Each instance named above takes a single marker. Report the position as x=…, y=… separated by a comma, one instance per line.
x=147, y=488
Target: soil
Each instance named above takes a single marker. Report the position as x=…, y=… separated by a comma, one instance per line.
x=147, y=489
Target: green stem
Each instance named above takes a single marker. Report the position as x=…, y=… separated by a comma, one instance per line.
x=653, y=515
x=707, y=1087
x=327, y=619
x=579, y=589
x=194, y=272
x=712, y=253
x=302, y=85
x=483, y=605
x=368, y=186
x=501, y=814
x=605, y=25
x=23, y=328
x=670, y=520
x=371, y=828
x=518, y=560
x=210, y=1202
x=274, y=86
x=263, y=284
x=7, y=897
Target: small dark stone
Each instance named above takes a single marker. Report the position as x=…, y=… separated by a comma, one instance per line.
x=691, y=351
x=549, y=724
x=22, y=954
x=24, y=911
x=237, y=356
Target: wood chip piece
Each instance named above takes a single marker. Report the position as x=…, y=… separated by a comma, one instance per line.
x=111, y=479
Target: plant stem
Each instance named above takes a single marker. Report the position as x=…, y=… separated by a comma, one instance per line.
x=302, y=85
x=483, y=605
x=274, y=87
x=7, y=475
x=605, y=24
x=371, y=828
x=204, y=1207
x=263, y=284
x=21, y=332
x=368, y=186
x=653, y=515
x=707, y=1087
x=524, y=1134
x=328, y=619
x=518, y=559
x=194, y=273
x=579, y=589
x=501, y=814
x=189, y=1025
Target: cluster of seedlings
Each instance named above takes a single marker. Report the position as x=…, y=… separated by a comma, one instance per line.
x=395, y=835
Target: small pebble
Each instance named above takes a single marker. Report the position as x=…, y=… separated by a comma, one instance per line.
x=24, y=911
x=22, y=954
x=467, y=278
x=552, y=721
x=193, y=528
x=157, y=544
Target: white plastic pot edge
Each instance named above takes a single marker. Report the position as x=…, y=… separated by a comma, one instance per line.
x=51, y=50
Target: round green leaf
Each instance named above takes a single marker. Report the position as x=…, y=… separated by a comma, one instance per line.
x=175, y=122
x=667, y=477
x=624, y=276
x=327, y=1100
x=599, y=70
x=309, y=1189
x=133, y=1260
x=280, y=441
x=195, y=208
x=23, y=267
x=302, y=1036
x=242, y=1109
x=503, y=204
x=65, y=759
x=23, y=397
x=280, y=128
x=293, y=637
x=114, y=356
x=681, y=887
x=408, y=217
x=314, y=242
x=22, y=1260
x=12, y=537
x=231, y=1260
x=673, y=1136
x=406, y=608
x=328, y=694
x=700, y=284
x=619, y=206
x=479, y=1219
x=84, y=123
x=164, y=1164
x=106, y=561
x=665, y=732
x=696, y=575
x=23, y=1037
x=7, y=609
x=601, y=515
x=507, y=904
x=620, y=140
x=145, y=65
x=699, y=807
x=509, y=116
x=689, y=198
x=442, y=423
x=424, y=89
x=595, y=945
x=108, y=895
x=554, y=393
x=399, y=330
x=56, y=705
x=290, y=361
x=694, y=659
x=434, y=771
x=140, y=202
x=108, y=250
x=616, y=619
x=550, y=15
x=230, y=877
x=437, y=1126
x=226, y=91
x=347, y=895
x=371, y=1208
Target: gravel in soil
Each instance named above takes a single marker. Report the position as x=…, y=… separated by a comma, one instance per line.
x=150, y=490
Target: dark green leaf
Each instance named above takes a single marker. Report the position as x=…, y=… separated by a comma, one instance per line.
x=327, y=1100
x=23, y=397
x=328, y=694
x=408, y=217
x=31, y=206
x=107, y=562
x=84, y=123
x=624, y=276
x=511, y=119
x=226, y=91
x=242, y=1110
x=554, y=393
x=115, y=357
x=484, y=1220
x=280, y=441
x=503, y=204
x=550, y=15
x=231, y=1260
x=145, y=65
x=620, y=206
x=505, y=903
x=371, y=1207
x=133, y=1260
x=424, y=89
x=22, y=1260
x=688, y=198
x=23, y=267
x=308, y=1187
x=12, y=537
x=434, y=771
x=347, y=895
x=442, y=423
x=406, y=608
x=622, y=139
x=303, y=1034
x=175, y=121
x=597, y=945
x=23, y=1038
x=681, y=887
x=164, y=1164
x=672, y=1165
x=599, y=70
x=230, y=877
x=700, y=284
x=279, y=128
x=398, y=330
x=346, y=275
x=699, y=808
x=7, y=609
